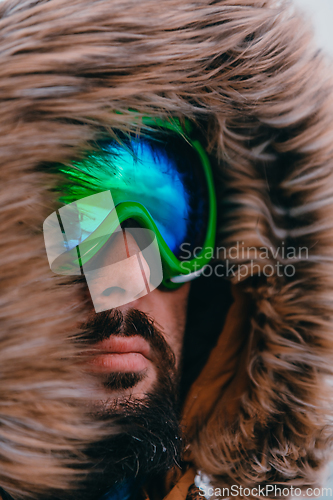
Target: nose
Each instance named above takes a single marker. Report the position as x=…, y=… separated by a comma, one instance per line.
x=119, y=273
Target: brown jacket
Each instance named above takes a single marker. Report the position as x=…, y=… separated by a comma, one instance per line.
x=248, y=73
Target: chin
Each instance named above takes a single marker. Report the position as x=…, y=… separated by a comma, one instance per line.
x=126, y=386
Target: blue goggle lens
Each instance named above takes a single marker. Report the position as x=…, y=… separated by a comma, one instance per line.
x=163, y=173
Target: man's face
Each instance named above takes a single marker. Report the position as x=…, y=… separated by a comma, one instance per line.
x=144, y=200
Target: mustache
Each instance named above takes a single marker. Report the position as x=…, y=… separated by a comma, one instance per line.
x=104, y=324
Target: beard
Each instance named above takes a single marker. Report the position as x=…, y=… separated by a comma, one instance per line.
x=145, y=436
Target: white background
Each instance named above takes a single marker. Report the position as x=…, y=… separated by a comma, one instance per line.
x=320, y=14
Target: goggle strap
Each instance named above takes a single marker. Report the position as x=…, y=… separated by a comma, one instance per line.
x=184, y=278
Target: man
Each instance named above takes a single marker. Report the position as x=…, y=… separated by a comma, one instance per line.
x=168, y=388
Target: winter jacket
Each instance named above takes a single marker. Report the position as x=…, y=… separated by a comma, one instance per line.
x=248, y=75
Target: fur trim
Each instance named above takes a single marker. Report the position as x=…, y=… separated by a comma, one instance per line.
x=248, y=73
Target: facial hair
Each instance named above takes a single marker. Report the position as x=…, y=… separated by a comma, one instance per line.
x=147, y=439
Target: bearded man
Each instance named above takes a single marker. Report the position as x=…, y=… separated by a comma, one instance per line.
x=145, y=144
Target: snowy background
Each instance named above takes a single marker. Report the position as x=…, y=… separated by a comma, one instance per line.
x=320, y=14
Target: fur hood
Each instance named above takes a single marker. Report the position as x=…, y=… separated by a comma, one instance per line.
x=248, y=74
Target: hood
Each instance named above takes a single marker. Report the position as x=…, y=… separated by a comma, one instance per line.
x=248, y=74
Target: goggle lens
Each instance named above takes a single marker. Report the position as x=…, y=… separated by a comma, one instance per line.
x=163, y=173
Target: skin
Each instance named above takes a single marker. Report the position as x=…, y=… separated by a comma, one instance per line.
x=167, y=309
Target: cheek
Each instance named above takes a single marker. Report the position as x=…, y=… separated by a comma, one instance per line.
x=170, y=314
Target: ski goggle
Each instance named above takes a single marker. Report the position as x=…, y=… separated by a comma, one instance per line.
x=161, y=180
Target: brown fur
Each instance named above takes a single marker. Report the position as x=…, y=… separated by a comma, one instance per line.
x=248, y=72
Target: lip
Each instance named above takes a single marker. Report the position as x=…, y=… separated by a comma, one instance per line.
x=120, y=354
